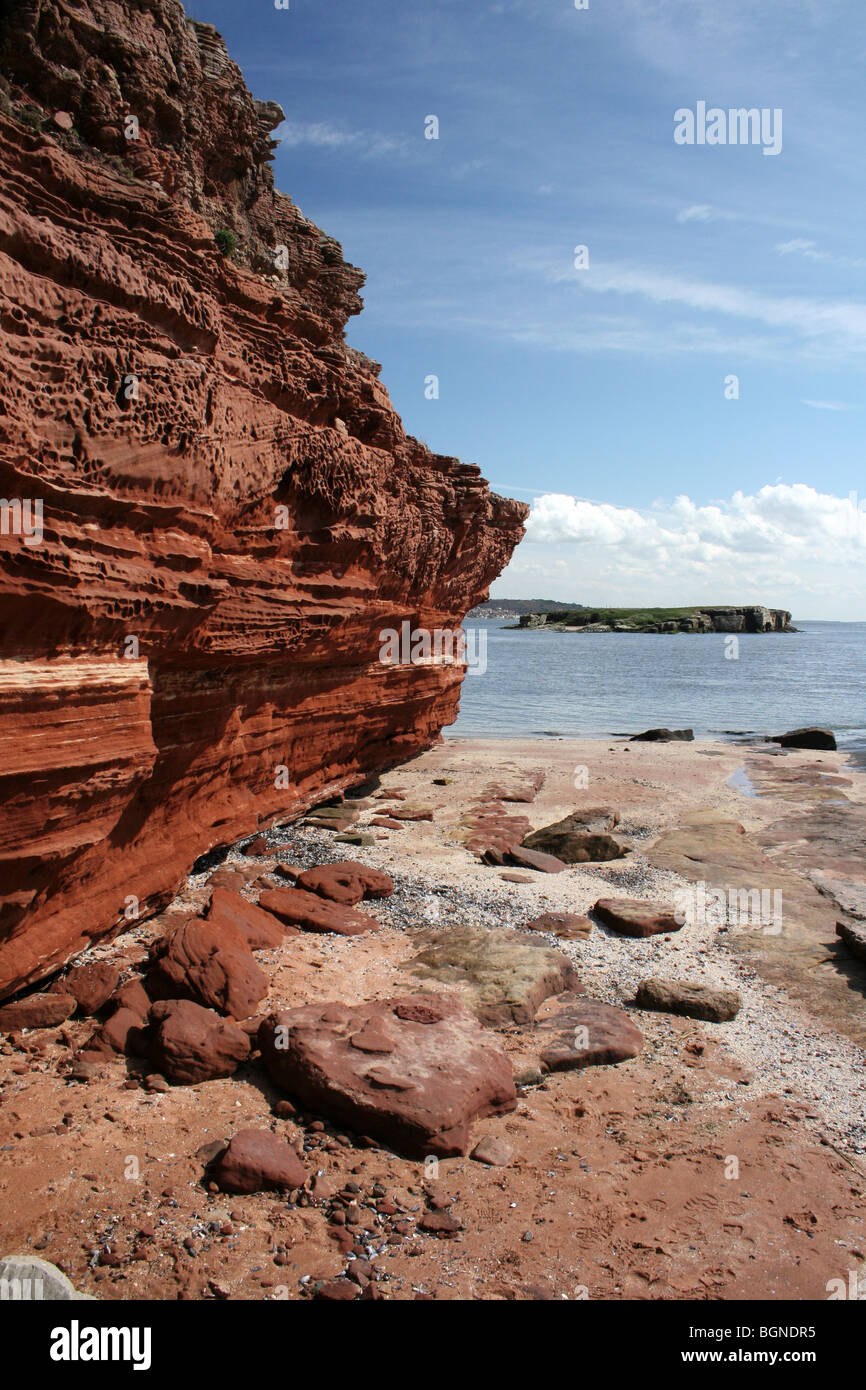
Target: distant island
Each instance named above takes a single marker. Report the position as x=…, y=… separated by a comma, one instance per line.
x=748, y=618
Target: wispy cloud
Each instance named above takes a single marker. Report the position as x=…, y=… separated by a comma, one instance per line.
x=705, y=212
x=809, y=250
x=369, y=144
x=824, y=326
x=829, y=405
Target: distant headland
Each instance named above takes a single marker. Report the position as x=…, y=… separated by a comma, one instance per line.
x=710, y=618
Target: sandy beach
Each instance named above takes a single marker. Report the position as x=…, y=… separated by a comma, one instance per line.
x=726, y=1160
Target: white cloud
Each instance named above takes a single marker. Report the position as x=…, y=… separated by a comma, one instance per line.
x=788, y=546
x=829, y=405
x=801, y=246
x=369, y=144
x=704, y=212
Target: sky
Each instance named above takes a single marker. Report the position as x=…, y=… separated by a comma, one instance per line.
x=682, y=403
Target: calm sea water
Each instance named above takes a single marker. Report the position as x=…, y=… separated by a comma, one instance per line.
x=595, y=684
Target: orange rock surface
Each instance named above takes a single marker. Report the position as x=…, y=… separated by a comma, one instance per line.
x=231, y=509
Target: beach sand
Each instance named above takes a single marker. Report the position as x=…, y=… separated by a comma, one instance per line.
x=725, y=1161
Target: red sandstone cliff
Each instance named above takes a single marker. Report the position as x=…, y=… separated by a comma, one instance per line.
x=168, y=643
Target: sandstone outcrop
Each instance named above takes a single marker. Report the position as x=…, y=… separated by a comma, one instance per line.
x=229, y=510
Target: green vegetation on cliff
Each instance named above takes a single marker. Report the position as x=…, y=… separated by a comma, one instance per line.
x=704, y=618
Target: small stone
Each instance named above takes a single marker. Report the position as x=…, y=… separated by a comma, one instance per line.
x=493, y=1151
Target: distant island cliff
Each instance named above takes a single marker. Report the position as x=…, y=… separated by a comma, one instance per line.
x=748, y=618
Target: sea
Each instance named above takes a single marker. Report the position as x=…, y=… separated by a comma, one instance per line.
x=594, y=685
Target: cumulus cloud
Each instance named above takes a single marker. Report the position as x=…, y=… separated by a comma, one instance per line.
x=787, y=545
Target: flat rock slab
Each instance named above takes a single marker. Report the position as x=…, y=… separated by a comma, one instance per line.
x=854, y=936
x=37, y=1011
x=317, y=914
x=411, y=813
x=413, y=1071
x=522, y=787
x=27, y=1278
x=503, y=974
x=534, y=859
x=190, y=1044
x=690, y=998
x=568, y=926
x=489, y=827
x=587, y=1033
x=257, y=1160
x=849, y=897
x=346, y=882
x=636, y=916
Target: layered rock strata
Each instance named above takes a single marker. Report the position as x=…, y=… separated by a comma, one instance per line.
x=210, y=509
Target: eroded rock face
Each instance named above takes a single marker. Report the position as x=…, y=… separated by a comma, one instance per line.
x=414, y=1071
x=230, y=509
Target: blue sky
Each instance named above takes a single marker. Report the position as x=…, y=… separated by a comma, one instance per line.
x=604, y=384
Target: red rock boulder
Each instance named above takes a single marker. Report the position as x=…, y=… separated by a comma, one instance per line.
x=346, y=882
x=258, y=1160
x=91, y=985
x=36, y=1011
x=636, y=916
x=412, y=1071
x=210, y=963
x=260, y=930
x=190, y=1044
